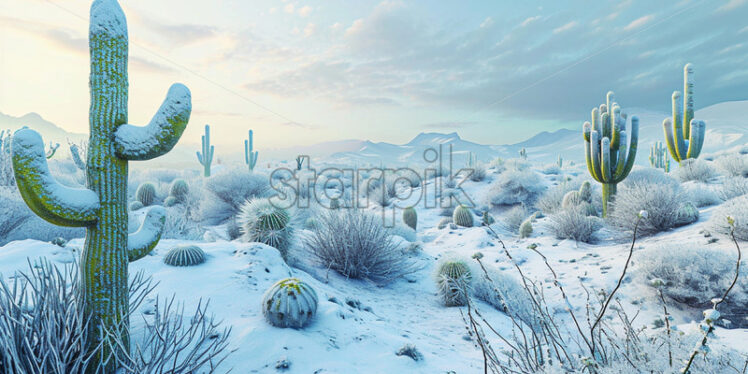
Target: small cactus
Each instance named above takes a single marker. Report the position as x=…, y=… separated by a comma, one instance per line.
x=206, y=156
x=525, y=229
x=299, y=162
x=687, y=214
x=410, y=217
x=146, y=193
x=487, y=219
x=179, y=190
x=683, y=134
x=289, y=303
x=170, y=201
x=250, y=155
x=560, y=162
x=262, y=222
x=462, y=216
x=453, y=279
x=136, y=205
x=335, y=203
x=52, y=149
x=523, y=153
x=185, y=255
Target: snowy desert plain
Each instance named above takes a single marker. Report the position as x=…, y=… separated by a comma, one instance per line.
x=612, y=248
x=392, y=316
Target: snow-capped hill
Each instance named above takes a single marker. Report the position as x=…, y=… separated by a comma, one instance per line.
x=434, y=138
x=545, y=138
x=49, y=130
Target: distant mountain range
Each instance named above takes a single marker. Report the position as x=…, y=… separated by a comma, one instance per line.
x=727, y=128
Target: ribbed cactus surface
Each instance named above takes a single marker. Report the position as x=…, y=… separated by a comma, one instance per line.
x=289, y=303
x=262, y=222
x=462, y=216
x=683, y=134
x=179, y=190
x=146, y=193
x=101, y=207
x=453, y=279
x=206, y=156
x=185, y=255
x=609, y=155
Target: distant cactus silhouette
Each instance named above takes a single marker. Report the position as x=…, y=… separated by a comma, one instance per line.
x=102, y=206
x=250, y=155
x=658, y=157
x=52, y=149
x=206, y=156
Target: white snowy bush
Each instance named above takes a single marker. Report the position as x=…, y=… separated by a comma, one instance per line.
x=737, y=208
x=551, y=169
x=660, y=200
x=700, y=194
x=502, y=291
x=515, y=187
x=735, y=165
x=650, y=176
x=6, y=165
x=550, y=201
x=694, y=275
x=514, y=217
x=479, y=173
x=515, y=164
x=228, y=190
x=733, y=187
x=356, y=244
x=694, y=169
x=574, y=224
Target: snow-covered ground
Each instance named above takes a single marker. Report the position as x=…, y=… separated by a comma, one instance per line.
x=360, y=325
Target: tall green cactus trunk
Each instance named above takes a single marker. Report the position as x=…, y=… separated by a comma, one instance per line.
x=609, y=192
x=102, y=206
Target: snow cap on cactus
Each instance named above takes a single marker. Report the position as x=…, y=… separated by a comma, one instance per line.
x=289, y=302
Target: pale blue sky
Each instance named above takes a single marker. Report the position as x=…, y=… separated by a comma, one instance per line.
x=494, y=71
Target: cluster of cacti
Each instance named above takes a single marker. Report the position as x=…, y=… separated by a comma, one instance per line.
x=250, y=155
x=299, y=162
x=472, y=160
x=52, y=149
x=177, y=192
x=606, y=147
x=523, y=153
x=102, y=206
x=410, y=217
x=684, y=135
x=262, y=222
x=463, y=216
x=185, y=255
x=289, y=303
x=453, y=279
x=658, y=157
x=146, y=193
x=575, y=198
x=206, y=156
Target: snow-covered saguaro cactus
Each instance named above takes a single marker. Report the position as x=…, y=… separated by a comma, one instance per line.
x=250, y=155
x=101, y=207
x=206, y=156
x=289, y=303
x=684, y=135
x=606, y=147
x=52, y=149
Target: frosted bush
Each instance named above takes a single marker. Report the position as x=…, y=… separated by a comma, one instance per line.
x=700, y=194
x=356, y=244
x=228, y=190
x=650, y=176
x=503, y=292
x=479, y=173
x=733, y=187
x=513, y=218
x=661, y=201
x=694, y=169
x=412, y=178
x=515, y=187
x=694, y=275
x=180, y=224
x=551, y=169
x=550, y=201
x=379, y=196
x=515, y=164
x=6, y=166
x=735, y=165
x=18, y=222
x=403, y=231
x=574, y=224
x=737, y=208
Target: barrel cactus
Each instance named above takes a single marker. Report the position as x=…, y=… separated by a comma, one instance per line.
x=101, y=207
x=606, y=145
x=146, y=193
x=525, y=229
x=334, y=203
x=683, y=134
x=289, y=303
x=453, y=279
x=170, y=201
x=410, y=217
x=576, y=198
x=462, y=216
x=262, y=222
x=136, y=205
x=179, y=189
x=185, y=255
x=687, y=214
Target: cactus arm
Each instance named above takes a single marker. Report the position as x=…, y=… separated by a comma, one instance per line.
x=595, y=154
x=142, y=242
x=687, y=100
x=161, y=134
x=681, y=144
x=199, y=157
x=52, y=149
x=50, y=200
x=633, y=146
x=621, y=157
x=696, y=140
x=605, y=161
x=667, y=126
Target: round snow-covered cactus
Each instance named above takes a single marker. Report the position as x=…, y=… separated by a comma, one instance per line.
x=262, y=222
x=289, y=303
x=334, y=203
x=136, y=205
x=585, y=192
x=571, y=199
x=462, y=216
x=488, y=219
x=146, y=193
x=170, y=201
x=410, y=217
x=185, y=255
x=687, y=214
x=179, y=189
x=453, y=279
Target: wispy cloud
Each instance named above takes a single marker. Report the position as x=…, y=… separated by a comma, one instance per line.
x=529, y=20
x=639, y=22
x=565, y=27
x=731, y=5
